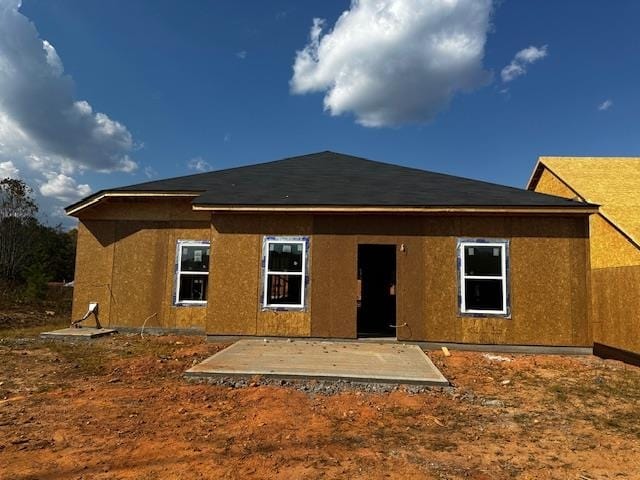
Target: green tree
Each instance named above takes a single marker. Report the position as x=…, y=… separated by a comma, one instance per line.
x=53, y=249
x=17, y=217
x=36, y=282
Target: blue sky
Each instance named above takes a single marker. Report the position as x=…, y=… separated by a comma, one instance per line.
x=185, y=86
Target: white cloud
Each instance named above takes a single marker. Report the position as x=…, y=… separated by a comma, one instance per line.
x=8, y=170
x=63, y=188
x=391, y=62
x=242, y=54
x=606, y=105
x=524, y=57
x=531, y=54
x=512, y=71
x=150, y=172
x=198, y=164
x=38, y=98
x=44, y=129
x=53, y=59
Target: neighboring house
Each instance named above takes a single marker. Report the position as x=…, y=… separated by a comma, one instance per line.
x=614, y=184
x=330, y=245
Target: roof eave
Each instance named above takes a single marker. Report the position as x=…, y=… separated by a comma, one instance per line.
x=535, y=174
x=436, y=209
x=74, y=209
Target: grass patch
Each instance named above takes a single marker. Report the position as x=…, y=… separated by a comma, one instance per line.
x=620, y=421
x=559, y=392
x=442, y=445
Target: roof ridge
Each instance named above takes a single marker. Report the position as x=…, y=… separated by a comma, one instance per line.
x=222, y=170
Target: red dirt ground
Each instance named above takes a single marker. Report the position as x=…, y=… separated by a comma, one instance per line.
x=118, y=408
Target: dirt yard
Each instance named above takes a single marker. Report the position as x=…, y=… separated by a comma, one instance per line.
x=118, y=409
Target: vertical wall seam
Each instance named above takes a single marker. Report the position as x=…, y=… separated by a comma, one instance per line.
x=113, y=256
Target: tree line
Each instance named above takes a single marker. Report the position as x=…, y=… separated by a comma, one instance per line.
x=31, y=253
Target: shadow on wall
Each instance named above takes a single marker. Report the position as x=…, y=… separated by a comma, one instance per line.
x=107, y=232
x=533, y=226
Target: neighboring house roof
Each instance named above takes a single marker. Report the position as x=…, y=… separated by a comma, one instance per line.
x=612, y=182
x=333, y=179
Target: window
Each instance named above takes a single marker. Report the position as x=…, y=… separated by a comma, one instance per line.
x=284, y=273
x=483, y=277
x=192, y=272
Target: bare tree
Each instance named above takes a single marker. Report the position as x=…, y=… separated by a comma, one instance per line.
x=17, y=210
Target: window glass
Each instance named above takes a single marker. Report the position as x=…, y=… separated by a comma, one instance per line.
x=192, y=287
x=194, y=258
x=483, y=294
x=284, y=289
x=483, y=276
x=192, y=272
x=285, y=257
x=482, y=260
x=284, y=272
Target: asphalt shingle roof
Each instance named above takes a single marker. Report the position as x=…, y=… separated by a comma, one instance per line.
x=334, y=179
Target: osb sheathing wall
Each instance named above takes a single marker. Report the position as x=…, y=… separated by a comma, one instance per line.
x=549, y=277
x=609, y=246
x=616, y=309
x=552, y=185
x=236, y=273
x=125, y=261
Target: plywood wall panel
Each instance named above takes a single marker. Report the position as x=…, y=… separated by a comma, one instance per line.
x=616, y=301
x=144, y=209
x=323, y=297
x=183, y=317
x=548, y=281
x=343, y=285
x=609, y=248
x=234, y=284
x=440, y=287
x=137, y=263
x=381, y=226
x=284, y=323
x=94, y=260
x=141, y=274
x=334, y=285
x=291, y=323
x=410, y=288
x=581, y=305
x=552, y=185
x=482, y=226
x=139, y=270
x=541, y=294
x=236, y=280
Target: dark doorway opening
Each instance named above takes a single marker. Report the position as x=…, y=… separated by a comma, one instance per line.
x=377, y=290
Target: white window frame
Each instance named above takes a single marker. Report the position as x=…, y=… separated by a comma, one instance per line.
x=267, y=272
x=179, y=272
x=502, y=245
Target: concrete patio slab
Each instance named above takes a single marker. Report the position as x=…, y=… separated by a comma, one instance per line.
x=83, y=333
x=323, y=360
